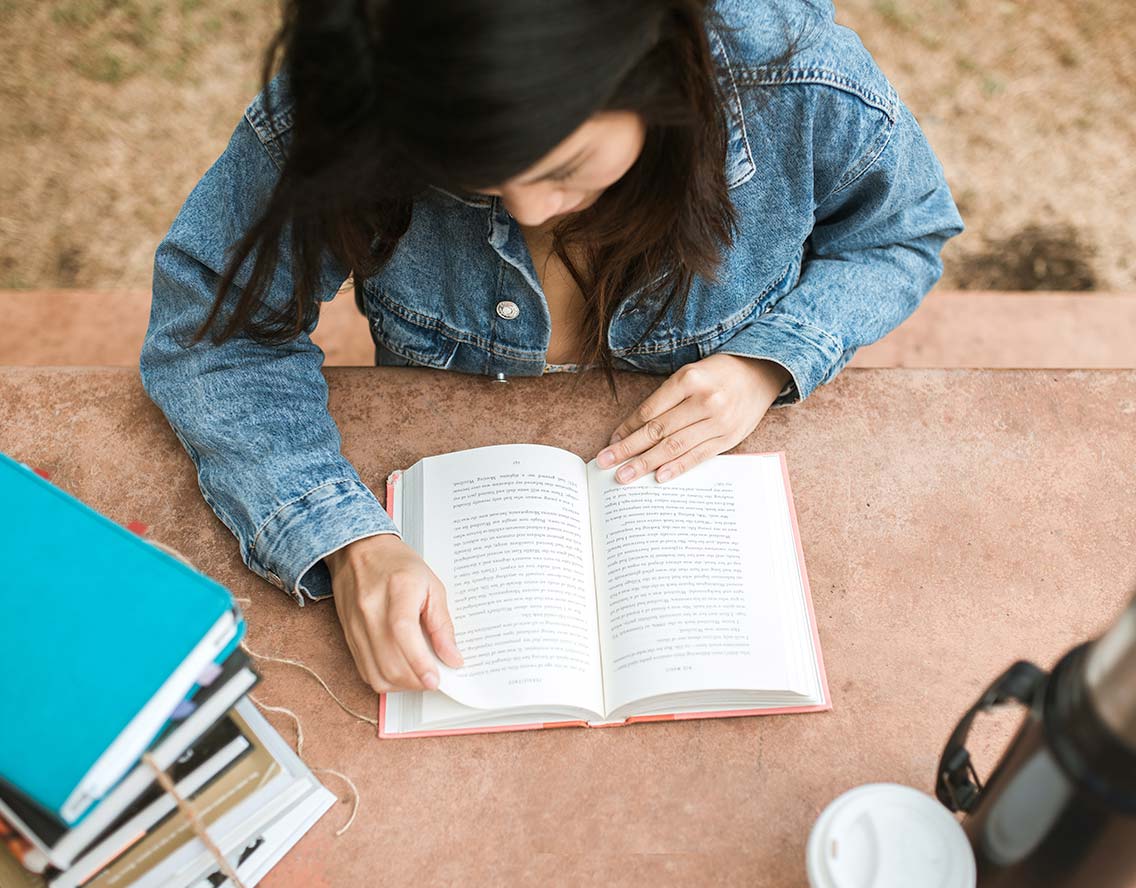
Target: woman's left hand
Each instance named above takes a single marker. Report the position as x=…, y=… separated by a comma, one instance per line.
x=703, y=409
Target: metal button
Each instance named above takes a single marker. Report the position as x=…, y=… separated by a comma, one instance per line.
x=507, y=310
x=500, y=377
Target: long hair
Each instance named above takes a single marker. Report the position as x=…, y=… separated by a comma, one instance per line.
x=393, y=96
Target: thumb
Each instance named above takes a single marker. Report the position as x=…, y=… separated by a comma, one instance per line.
x=439, y=626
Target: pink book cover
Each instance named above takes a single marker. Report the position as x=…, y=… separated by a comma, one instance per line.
x=636, y=719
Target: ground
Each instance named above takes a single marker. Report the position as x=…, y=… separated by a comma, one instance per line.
x=114, y=108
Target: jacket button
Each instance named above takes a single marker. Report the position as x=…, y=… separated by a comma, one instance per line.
x=507, y=310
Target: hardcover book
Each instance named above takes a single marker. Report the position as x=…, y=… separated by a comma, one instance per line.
x=577, y=600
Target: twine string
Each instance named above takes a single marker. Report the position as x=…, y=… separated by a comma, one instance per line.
x=183, y=805
x=366, y=719
x=283, y=710
x=195, y=822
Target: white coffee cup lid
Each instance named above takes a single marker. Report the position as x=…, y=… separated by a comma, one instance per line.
x=883, y=835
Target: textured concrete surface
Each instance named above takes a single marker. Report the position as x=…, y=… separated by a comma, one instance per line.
x=106, y=328
x=952, y=521
x=972, y=329
x=1012, y=330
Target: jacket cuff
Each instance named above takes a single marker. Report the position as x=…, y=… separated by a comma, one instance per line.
x=811, y=355
x=290, y=545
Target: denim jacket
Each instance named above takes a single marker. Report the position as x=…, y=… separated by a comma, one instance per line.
x=842, y=208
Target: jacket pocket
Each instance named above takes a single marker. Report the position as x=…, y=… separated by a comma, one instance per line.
x=662, y=359
x=403, y=342
x=735, y=319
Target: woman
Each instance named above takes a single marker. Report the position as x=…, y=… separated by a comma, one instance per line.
x=732, y=197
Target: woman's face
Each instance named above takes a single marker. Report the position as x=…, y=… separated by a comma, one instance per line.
x=575, y=173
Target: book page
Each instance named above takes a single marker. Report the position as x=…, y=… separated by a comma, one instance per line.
x=507, y=532
x=692, y=581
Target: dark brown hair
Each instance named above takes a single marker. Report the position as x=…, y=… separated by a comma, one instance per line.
x=392, y=96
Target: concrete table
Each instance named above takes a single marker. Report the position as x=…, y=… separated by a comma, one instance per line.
x=952, y=521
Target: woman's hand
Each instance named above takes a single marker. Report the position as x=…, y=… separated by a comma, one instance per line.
x=389, y=602
x=703, y=409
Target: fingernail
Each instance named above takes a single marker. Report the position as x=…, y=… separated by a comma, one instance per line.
x=614, y=438
x=663, y=474
x=625, y=474
x=605, y=459
x=430, y=679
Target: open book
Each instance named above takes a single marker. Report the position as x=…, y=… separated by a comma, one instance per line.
x=577, y=600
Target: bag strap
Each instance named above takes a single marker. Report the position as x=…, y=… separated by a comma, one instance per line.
x=957, y=785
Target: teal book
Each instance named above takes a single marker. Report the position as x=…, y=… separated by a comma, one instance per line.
x=102, y=635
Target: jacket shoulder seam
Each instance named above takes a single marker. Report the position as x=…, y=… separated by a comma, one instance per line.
x=888, y=106
x=867, y=160
x=818, y=76
x=269, y=128
x=734, y=111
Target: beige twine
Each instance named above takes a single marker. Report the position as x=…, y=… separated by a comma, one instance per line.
x=300, y=752
x=355, y=795
x=195, y=823
x=366, y=719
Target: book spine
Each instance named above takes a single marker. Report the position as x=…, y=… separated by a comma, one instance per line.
x=392, y=478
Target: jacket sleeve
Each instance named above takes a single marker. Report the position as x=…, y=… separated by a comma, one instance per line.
x=252, y=417
x=872, y=256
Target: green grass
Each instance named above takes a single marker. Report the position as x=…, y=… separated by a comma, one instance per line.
x=102, y=66
x=114, y=40
x=966, y=64
x=890, y=12
x=992, y=85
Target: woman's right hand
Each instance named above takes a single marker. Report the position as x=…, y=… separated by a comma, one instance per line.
x=389, y=602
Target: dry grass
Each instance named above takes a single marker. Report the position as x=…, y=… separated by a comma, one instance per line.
x=114, y=108
x=1028, y=104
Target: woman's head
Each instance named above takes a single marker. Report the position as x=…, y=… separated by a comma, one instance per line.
x=602, y=116
x=573, y=175
x=462, y=94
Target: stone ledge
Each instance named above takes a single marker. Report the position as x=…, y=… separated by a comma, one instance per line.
x=950, y=330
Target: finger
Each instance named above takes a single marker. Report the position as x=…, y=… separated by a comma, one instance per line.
x=397, y=672
x=662, y=399
x=394, y=670
x=355, y=632
x=364, y=637
x=694, y=456
x=439, y=627
x=368, y=666
x=405, y=624
x=360, y=646
x=651, y=434
x=671, y=448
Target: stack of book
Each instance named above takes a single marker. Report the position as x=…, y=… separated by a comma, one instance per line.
x=120, y=662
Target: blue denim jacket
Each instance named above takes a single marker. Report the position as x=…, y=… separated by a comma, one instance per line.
x=843, y=210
